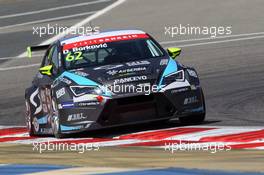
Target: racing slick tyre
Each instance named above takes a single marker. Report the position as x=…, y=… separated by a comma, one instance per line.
x=29, y=119
x=56, y=121
x=196, y=118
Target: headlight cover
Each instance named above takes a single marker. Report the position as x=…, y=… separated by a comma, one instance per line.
x=192, y=73
x=82, y=90
x=175, y=76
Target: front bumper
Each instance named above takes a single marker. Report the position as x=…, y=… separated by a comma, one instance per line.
x=125, y=110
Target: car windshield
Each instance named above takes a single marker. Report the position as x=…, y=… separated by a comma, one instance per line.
x=110, y=53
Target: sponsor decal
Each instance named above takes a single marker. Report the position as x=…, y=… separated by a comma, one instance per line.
x=164, y=62
x=80, y=73
x=125, y=71
x=76, y=53
x=108, y=67
x=70, y=128
x=112, y=72
x=179, y=90
x=84, y=48
x=60, y=93
x=85, y=104
x=46, y=130
x=104, y=40
x=197, y=109
x=74, y=56
x=67, y=105
x=138, y=63
x=62, y=79
x=190, y=100
x=130, y=79
x=84, y=97
x=45, y=96
x=74, y=117
x=34, y=103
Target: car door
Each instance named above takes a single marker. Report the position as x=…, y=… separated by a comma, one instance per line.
x=44, y=82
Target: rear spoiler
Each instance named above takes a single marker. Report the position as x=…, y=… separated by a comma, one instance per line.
x=31, y=49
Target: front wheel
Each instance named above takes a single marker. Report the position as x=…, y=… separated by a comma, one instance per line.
x=196, y=118
x=56, y=121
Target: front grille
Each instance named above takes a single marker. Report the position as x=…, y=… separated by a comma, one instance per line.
x=135, y=99
x=136, y=109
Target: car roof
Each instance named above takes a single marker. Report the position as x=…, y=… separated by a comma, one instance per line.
x=78, y=38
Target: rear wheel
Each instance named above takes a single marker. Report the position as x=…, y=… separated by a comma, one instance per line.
x=29, y=119
x=196, y=118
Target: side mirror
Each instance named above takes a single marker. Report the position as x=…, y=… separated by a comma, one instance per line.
x=174, y=52
x=46, y=70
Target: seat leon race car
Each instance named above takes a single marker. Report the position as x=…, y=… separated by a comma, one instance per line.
x=107, y=79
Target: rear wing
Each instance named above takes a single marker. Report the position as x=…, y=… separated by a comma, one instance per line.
x=31, y=49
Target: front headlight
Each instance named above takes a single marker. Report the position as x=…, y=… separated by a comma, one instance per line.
x=81, y=90
x=175, y=76
x=192, y=73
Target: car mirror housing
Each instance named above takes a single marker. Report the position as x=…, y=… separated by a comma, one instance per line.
x=174, y=52
x=46, y=70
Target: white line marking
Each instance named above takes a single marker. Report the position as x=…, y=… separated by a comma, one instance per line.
x=260, y=147
x=81, y=23
x=8, y=58
x=15, y=57
x=217, y=42
x=22, y=134
x=12, y=126
x=165, y=42
x=210, y=38
x=19, y=67
x=211, y=133
x=85, y=21
x=4, y=164
x=47, y=20
x=52, y=9
x=226, y=127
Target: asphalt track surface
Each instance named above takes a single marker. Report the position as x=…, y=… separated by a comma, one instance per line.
x=231, y=68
